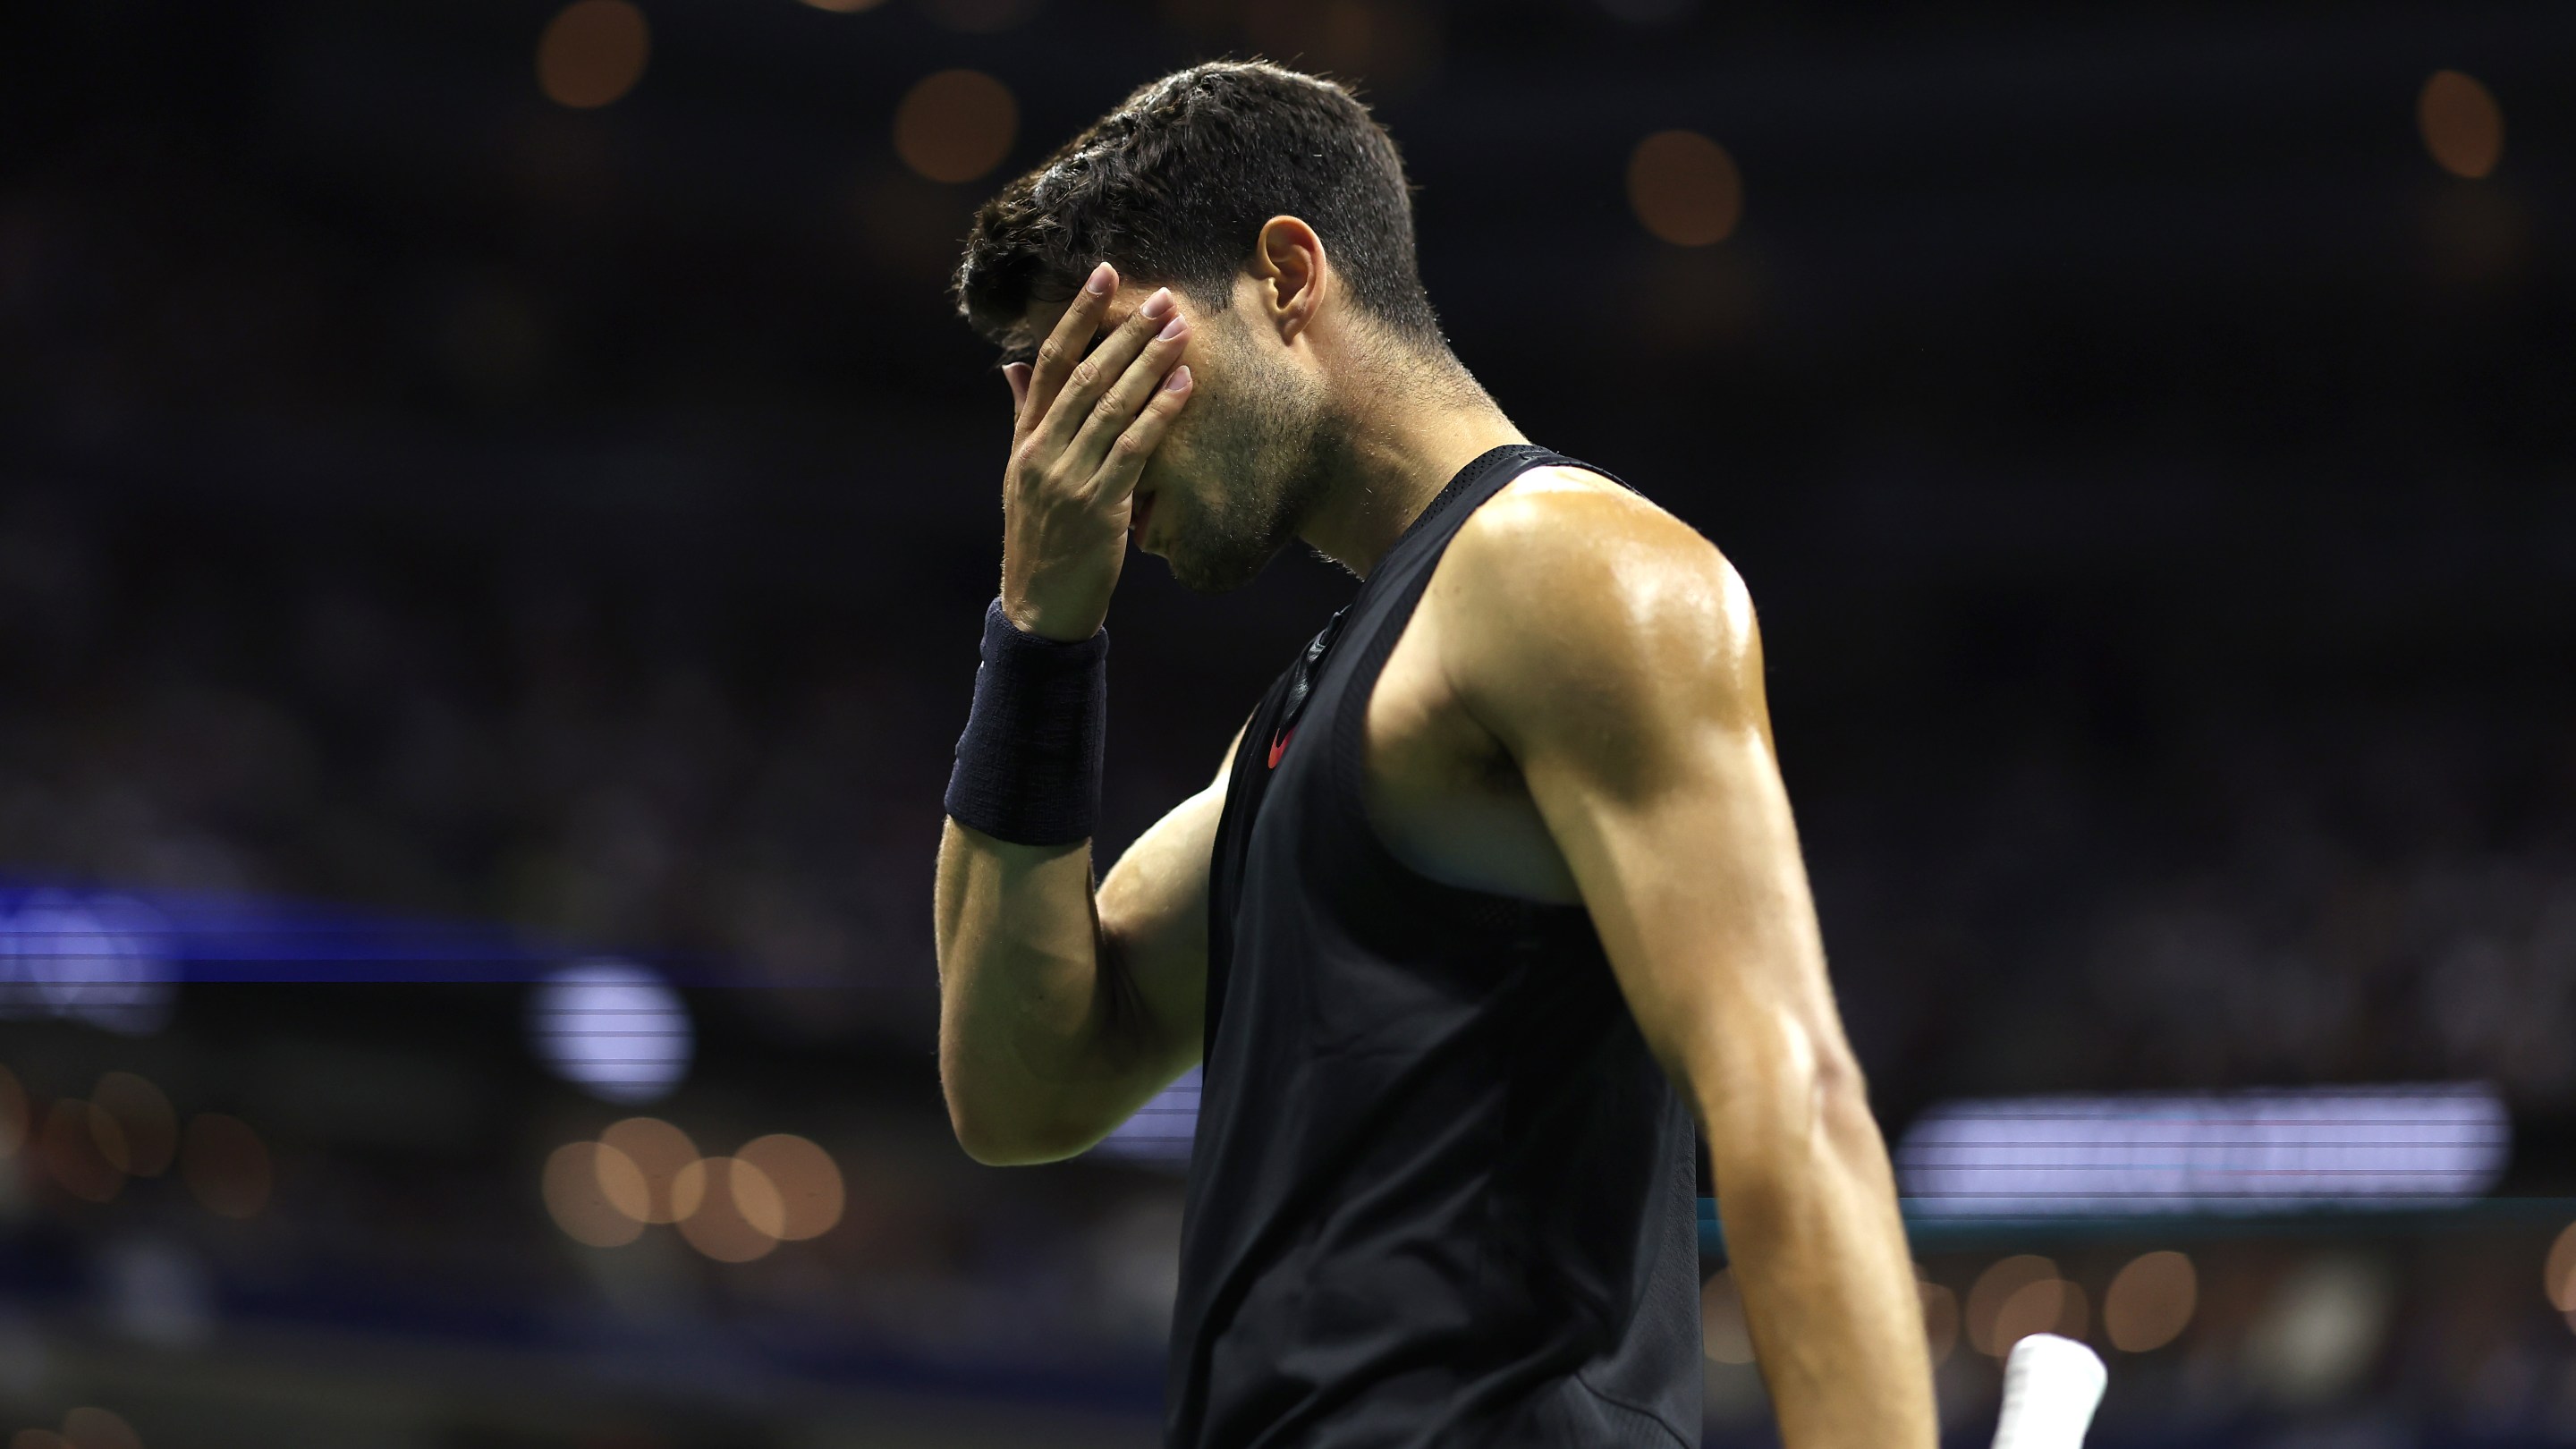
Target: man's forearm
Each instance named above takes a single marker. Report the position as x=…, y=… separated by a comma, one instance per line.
x=1819, y=1254
x=1038, y=1020
x=1019, y=994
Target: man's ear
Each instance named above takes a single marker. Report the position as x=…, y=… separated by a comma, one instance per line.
x=1288, y=261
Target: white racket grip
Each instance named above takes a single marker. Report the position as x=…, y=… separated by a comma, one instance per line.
x=2051, y=1387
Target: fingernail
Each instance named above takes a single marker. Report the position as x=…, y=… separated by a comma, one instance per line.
x=1179, y=380
x=1102, y=279
x=1172, y=329
x=1157, y=304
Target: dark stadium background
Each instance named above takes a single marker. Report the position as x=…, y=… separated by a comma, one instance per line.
x=562, y=528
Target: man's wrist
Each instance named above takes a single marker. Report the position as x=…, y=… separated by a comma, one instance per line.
x=1056, y=628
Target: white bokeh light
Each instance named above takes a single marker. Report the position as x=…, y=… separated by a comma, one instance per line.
x=103, y=960
x=2167, y=1152
x=1162, y=1130
x=613, y=1028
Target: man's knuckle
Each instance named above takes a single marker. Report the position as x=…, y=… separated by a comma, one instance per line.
x=1085, y=373
x=1050, y=353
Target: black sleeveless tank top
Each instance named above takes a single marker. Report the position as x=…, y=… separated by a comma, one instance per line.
x=1440, y=1193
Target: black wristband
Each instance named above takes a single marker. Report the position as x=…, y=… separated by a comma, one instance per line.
x=1028, y=766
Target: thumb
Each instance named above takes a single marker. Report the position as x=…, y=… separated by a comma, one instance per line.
x=1017, y=375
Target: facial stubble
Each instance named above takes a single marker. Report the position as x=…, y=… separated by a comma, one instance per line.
x=1266, y=453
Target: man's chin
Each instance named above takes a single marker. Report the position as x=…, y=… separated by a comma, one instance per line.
x=1203, y=572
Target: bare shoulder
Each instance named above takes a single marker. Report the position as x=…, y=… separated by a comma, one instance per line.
x=1566, y=525
x=1567, y=580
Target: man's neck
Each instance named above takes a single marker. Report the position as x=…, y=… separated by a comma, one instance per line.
x=1398, y=448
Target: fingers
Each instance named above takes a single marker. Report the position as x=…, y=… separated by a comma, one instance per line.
x=1128, y=453
x=1017, y=375
x=1070, y=411
x=1063, y=348
x=1118, y=406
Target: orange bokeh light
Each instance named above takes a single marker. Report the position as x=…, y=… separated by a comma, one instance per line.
x=2558, y=1271
x=2150, y=1302
x=148, y=1131
x=809, y=1187
x=660, y=1155
x=592, y=52
x=227, y=1165
x=580, y=1203
x=739, y=1211
x=1685, y=188
x=2462, y=124
x=1994, y=1288
x=2047, y=1305
x=82, y=1146
x=94, y=1428
x=956, y=125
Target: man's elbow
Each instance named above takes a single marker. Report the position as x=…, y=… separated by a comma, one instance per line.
x=997, y=1137
x=1816, y=1130
x=1843, y=1122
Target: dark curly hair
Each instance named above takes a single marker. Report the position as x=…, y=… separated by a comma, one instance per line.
x=1174, y=185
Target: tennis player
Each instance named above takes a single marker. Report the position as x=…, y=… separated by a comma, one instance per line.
x=1496, y=888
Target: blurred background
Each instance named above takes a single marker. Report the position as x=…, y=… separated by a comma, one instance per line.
x=494, y=510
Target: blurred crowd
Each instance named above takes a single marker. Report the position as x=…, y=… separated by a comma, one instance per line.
x=2339, y=891
x=207, y=704
x=2270, y=891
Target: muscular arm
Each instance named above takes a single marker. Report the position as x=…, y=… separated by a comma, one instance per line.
x=1062, y=1010
x=1613, y=653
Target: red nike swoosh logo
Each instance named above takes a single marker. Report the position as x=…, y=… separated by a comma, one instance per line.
x=1279, y=743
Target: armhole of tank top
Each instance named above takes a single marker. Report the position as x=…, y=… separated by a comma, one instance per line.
x=1245, y=789
x=1347, y=762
